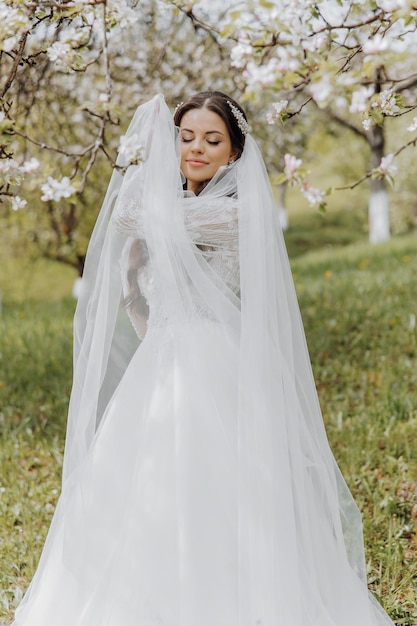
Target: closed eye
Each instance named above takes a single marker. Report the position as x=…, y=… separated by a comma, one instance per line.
x=213, y=143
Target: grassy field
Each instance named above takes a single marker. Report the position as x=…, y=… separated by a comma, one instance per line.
x=359, y=305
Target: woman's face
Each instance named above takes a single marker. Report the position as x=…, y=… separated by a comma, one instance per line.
x=205, y=146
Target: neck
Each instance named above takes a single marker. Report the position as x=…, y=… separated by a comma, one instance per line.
x=196, y=188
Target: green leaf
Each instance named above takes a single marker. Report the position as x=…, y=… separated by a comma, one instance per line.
x=279, y=179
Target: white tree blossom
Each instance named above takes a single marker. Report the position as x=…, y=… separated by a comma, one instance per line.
x=30, y=166
x=130, y=148
x=13, y=23
x=355, y=60
x=292, y=165
x=71, y=76
x=413, y=125
x=279, y=112
x=386, y=167
x=56, y=189
x=313, y=195
x=18, y=203
x=360, y=99
x=241, y=53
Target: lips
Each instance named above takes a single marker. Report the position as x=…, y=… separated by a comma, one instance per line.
x=196, y=162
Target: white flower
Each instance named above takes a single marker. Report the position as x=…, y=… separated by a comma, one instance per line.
x=291, y=166
x=390, y=5
x=55, y=190
x=375, y=45
x=258, y=76
x=388, y=103
x=122, y=14
x=314, y=44
x=9, y=43
x=72, y=36
x=321, y=90
x=386, y=164
x=386, y=168
x=240, y=54
x=59, y=52
x=367, y=123
x=279, y=107
x=130, y=148
x=18, y=203
x=30, y=166
x=103, y=98
x=11, y=172
x=313, y=195
x=8, y=164
x=413, y=125
x=360, y=99
x=13, y=22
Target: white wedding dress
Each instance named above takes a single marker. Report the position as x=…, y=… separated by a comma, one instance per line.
x=199, y=489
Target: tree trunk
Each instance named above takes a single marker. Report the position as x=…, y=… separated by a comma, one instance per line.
x=282, y=209
x=378, y=207
x=378, y=212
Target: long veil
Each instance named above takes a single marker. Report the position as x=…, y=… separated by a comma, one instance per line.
x=299, y=532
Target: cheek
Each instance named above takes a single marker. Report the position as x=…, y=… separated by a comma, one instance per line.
x=183, y=153
x=226, y=152
x=222, y=156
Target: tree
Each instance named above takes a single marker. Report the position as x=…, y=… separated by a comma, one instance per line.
x=351, y=58
x=70, y=67
x=70, y=70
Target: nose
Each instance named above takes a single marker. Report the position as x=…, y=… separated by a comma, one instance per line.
x=197, y=145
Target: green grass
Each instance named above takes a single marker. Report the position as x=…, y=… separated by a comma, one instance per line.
x=359, y=305
x=310, y=230
x=35, y=381
x=344, y=222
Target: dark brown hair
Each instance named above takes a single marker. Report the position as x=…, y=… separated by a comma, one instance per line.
x=217, y=102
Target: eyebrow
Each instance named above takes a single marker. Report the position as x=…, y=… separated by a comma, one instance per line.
x=209, y=132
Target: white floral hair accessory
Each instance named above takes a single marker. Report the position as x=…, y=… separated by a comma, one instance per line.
x=240, y=118
x=178, y=106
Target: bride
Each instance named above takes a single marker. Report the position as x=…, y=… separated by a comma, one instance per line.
x=198, y=487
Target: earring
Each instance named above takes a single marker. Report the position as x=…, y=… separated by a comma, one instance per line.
x=230, y=161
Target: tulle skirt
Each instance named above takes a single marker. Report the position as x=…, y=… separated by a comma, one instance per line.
x=146, y=531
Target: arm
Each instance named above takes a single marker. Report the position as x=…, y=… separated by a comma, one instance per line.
x=134, y=258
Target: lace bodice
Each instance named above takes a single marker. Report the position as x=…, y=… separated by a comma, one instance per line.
x=212, y=226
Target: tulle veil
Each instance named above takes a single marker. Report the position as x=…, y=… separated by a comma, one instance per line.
x=300, y=544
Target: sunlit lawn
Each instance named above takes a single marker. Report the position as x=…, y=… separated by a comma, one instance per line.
x=359, y=305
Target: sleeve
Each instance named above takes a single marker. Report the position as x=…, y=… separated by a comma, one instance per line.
x=127, y=217
x=133, y=260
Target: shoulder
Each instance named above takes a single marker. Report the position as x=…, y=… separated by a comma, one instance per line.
x=217, y=210
x=210, y=203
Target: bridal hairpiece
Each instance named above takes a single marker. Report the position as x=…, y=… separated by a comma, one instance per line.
x=237, y=114
x=240, y=118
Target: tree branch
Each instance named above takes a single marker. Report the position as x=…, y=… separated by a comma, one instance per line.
x=46, y=146
x=16, y=61
x=412, y=142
